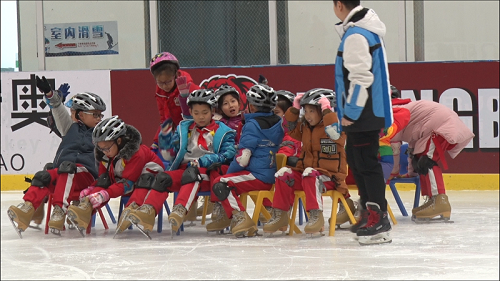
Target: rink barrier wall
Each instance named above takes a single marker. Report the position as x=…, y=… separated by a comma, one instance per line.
x=451, y=181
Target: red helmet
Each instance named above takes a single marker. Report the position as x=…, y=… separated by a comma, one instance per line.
x=161, y=57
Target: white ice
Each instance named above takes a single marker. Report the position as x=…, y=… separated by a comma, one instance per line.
x=465, y=249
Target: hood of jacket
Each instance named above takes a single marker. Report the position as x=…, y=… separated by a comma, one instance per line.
x=268, y=123
x=128, y=150
x=364, y=18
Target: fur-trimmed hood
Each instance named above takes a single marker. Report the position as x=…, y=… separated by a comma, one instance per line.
x=133, y=141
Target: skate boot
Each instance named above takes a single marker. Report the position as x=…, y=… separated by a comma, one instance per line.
x=279, y=221
x=176, y=217
x=21, y=215
x=242, y=225
x=342, y=216
x=220, y=221
x=210, y=208
x=191, y=215
x=376, y=230
x=81, y=215
x=316, y=222
x=361, y=221
x=429, y=200
x=56, y=222
x=124, y=223
x=38, y=216
x=440, y=206
x=143, y=218
x=262, y=218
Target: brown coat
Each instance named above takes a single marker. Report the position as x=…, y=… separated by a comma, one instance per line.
x=318, y=150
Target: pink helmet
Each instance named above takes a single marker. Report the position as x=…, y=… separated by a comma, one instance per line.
x=161, y=57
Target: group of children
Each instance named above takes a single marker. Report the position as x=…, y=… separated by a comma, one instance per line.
x=193, y=152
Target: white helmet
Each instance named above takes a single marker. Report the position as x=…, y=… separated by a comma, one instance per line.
x=87, y=101
x=109, y=129
x=262, y=95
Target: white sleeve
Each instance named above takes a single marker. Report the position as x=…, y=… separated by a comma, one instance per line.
x=62, y=118
x=358, y=61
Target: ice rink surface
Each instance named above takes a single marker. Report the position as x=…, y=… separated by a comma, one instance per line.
x=466, y=249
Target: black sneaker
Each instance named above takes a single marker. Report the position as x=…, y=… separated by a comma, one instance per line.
x=362, y=221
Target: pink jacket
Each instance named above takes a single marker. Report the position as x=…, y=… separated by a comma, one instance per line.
x=427, y=117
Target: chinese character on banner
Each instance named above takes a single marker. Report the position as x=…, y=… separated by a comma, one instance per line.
x=83, y=31
x=28, y=98
x=97, y=31
x=69, y=32
x=56, y=33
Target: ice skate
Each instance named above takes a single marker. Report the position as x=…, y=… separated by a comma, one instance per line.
x=262, y=218
x=361, y=220
x=124, y=223
x=279, y=221
x=210, y=208
x=191, y=215
x=376, y=230
x=440, y=207
x=38, y=217
x=242, y=225
x=143, y=218
x=315, y=224
x=342, y=216
x=21, y=215
x=56, y=222
x=220, y=221
x=68, y=222
x=80, y=215
x=176, y=217
x=428, y=201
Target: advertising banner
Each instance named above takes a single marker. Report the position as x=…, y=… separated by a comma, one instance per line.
x=80, y=39
x=27, y=143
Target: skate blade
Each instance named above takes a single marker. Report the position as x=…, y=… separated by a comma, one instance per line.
x=218, y=232
x=55, y=231
x=315, y=234
x=135, y=222
x=380, y=238
x=191, y=223
x=71, y=218
x=11, y=218
x=432, y=220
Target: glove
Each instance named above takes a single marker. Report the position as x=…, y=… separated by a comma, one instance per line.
x=86, y=191
x=154, y=147
x=43, y=85
x=63, y=90
x=325, y=103
x=98, y=198
x=296, y=100
x=332, y=131
x=183, y=86
x=165, y=136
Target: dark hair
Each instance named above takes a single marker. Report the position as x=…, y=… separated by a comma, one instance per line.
x=264, y=109
x=348, y=3
x=168, y=67
x=198, y=102
x=220, y=103
x=283, y=103
x=318, y=109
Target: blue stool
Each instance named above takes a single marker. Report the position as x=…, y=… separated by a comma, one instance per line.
x=403, y=161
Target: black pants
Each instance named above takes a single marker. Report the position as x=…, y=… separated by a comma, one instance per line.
x=361, y=152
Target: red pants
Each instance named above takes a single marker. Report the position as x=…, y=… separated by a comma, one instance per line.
x=284, y=191
x=241, y=182
x=187, y=192
x=64, y=188
x=432, y=184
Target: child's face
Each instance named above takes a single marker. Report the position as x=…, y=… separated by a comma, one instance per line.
x=165, y=81
x=312, y=114
x=109, y=148
x=202, y=114
x=90, y=118
x=230, y=106
x=278, y=111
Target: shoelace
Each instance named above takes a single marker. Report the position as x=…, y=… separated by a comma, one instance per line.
x=275, y=216
x=373, y=218
x=24, y=207
x=179, y=209
x=314, y=216
x=145, y=208
x=238, y=218
x=58, y=213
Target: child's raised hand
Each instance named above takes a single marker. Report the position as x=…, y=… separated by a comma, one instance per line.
x=296, y=100
x=183, y=86
x=43, y=85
